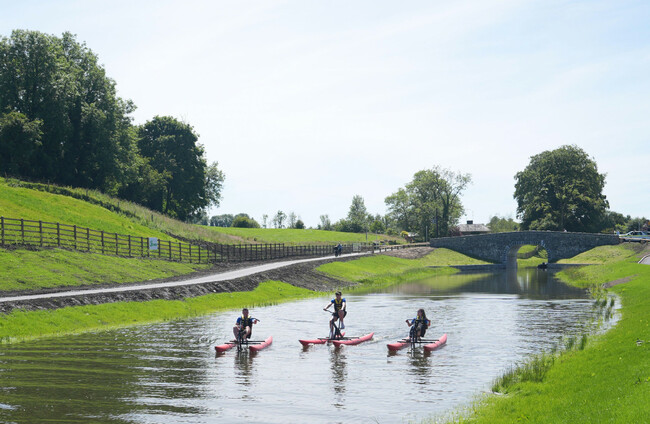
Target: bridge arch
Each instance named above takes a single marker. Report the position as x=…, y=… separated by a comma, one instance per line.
x=498, y=247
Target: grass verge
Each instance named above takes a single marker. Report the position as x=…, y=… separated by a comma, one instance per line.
x=377, y=271
x=30, y=270
x=603, y=379
x=23, y=325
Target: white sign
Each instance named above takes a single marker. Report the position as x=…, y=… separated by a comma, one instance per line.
x=153, y=243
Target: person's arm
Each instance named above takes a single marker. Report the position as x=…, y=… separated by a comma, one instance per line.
x=409, y=322
x=343, y=305
x=328, y=306
x=428, y=323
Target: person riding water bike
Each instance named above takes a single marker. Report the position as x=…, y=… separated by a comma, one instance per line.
x=339, y=311
x=419, y=325
x=245, y=323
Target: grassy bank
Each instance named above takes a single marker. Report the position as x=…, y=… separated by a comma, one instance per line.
x=31, y=270
x=22, y=325
x=381, y=271
x=96, y=210
x=371, y=271
x=606, y=381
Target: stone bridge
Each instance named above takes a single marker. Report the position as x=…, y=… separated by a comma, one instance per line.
x=503, y=247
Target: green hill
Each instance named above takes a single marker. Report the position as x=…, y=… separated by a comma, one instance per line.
x=93, y=209
x=30, y=269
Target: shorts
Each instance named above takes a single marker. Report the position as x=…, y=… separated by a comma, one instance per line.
x=336, y=314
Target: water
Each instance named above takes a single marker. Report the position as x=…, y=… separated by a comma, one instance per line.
x=169, y=372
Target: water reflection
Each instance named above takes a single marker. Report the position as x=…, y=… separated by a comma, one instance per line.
x=339, y=374
x=244, y=365
x=529, y=283
x=420, y=367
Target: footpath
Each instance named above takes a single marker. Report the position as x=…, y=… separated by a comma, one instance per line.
x=244, y=277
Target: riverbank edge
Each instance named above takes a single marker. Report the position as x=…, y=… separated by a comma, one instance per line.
x=607, y=381
x=60, y=317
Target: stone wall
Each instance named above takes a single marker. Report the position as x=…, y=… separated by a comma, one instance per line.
x=499, y=247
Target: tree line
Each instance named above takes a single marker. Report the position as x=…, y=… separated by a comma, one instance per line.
x=559, y=190
x=61, y=121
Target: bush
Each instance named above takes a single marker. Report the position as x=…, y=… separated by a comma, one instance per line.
x=244, y=222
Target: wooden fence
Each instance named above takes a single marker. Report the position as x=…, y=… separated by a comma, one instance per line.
x=54, y=234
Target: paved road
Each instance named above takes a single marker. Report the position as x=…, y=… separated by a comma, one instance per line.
x=222, y=276
x=645, y=260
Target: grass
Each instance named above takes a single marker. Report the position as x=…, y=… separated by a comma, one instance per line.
x=377, y=271
x=99, y=211
x=30, y=270
x=294, y=237
x=380, y=271
x=603, y=378
x=18, y=202
x=23, y=325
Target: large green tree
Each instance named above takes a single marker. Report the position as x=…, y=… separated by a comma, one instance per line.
x=430, y=203
x=559, y=190
x=189, y=184
x=85, y=136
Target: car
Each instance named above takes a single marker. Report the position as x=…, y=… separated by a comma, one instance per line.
x=642, y=234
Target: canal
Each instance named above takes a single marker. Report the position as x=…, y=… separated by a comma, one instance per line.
x=169, y=372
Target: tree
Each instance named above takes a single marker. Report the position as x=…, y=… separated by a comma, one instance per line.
x=214, y=179
x=560, y=190
x=377, y=224
x=431, y=201
x=357, y=219
x=85, y=133
x=190, y=185
x=499, y=224
x=278, y=219
x=299, y=225
x=19, y=140
x=291, y=220
x=400, y=210
x=242, y=220
x=222, y=220
x=325, y=223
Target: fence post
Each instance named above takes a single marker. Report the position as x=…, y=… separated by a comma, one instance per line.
x=2, y=224
x=117, y=246
x=22, y=229
x=75, y=237
x=180, y=252
x=129, y=245
x=40, y=232
x=170, y=250
x=58, y=234
x=88, y=238
x=102, y=242
x=191, y=252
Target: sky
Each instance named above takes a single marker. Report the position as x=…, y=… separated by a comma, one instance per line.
x=305, y=104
